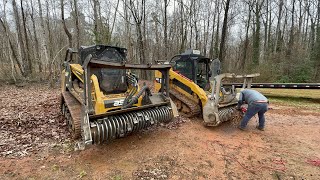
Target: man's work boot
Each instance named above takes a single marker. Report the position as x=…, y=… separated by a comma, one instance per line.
x=261, y=129
x=241, y=128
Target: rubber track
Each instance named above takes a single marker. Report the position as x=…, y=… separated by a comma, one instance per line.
x=74, y=108
x=193, y=106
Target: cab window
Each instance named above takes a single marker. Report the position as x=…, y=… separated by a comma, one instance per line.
x=184, y=68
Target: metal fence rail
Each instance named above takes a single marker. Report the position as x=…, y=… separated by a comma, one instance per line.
x=280, y=85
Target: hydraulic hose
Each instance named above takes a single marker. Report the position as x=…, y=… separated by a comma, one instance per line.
x=131, y=80
x=135, y=98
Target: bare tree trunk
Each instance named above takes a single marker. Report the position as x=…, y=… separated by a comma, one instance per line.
x=27, y=55
x=211, y=50
x=224, y=32
x=64, y=24
x=266, y=29
x=77, y=22
x=206, y=25
x=138, y=18
x=312, y=34
x=37, y=53
x=50, y=76
x=306, y=28
x=44, y=36
x=127, y=31
x=157, y=48
x=291, y=39
x=183, y=29
x=216, y=44
x=195, y=25
x=317, y=45
x=12, y=68
x=114, y=18
x=166, y=3
x=278, y=35
x=96, y=19
x=212, y=44
x=191, y=25
x=256, y=35
x=301, y=17
x=246, y=41
x=20, y=39
x=4, y=26
x=283, y=30
x=269, y=49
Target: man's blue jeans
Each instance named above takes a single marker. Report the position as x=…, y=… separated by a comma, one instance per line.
x=254, y=108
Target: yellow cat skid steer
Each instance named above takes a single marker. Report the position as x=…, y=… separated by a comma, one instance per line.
x=198, y=88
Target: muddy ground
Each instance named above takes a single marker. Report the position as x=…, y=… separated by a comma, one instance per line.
x=34, y=144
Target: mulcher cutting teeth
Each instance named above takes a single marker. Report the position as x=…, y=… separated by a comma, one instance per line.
x=214, y=117
x=117, y=126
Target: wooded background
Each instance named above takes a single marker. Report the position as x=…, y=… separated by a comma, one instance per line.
x=278, y=38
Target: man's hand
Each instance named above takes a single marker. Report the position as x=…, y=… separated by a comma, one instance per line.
x=242, y=109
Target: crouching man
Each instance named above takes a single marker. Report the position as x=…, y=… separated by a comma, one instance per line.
x=257, y=104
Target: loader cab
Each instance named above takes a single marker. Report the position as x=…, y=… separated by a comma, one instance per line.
x=193, y=66
x=111, y=81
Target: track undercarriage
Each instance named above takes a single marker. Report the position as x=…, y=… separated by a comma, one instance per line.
x=186, y=106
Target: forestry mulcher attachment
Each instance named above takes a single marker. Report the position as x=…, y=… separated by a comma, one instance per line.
x=220, y=105
x=102, y=100
x=197, y=87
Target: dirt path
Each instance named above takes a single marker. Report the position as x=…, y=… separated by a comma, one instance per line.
x=183, y=151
